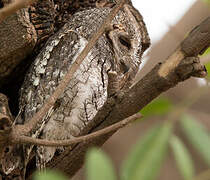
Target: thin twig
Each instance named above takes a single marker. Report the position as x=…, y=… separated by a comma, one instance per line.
x=63, y=84
x=43, y=142
x=13, y=7
x=142, y=93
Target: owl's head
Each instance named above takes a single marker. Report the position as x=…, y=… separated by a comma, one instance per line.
x=129, y=39
x=127, y=33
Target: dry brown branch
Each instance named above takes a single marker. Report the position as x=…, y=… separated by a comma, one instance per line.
x=43, y=142
x=162, y=77
x=158, y=80
x=61, y=87
x=13, y=7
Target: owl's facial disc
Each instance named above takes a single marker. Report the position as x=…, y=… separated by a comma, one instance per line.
x=125, y=35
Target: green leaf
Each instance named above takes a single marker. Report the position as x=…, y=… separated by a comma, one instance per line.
x=207, y=65
x=208, y=50
x=197, y=135
x=158, y=106
x=140, y=148
x=145, y=160
x=99, y=166
x=206, y=1
x=183, y=159
x=49, y=175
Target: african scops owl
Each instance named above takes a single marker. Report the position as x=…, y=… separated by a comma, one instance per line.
x=119, y=49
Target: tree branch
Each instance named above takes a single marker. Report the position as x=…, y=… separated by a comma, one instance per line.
x=13, y=7
x=43, y=142
x=26, y=128
x=161, y=78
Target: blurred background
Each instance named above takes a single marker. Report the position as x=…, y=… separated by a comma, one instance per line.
x=168, y=22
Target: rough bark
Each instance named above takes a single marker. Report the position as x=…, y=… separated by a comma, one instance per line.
x=162, y=77
x=17, y=40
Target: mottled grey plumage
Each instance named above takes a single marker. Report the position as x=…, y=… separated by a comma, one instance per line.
x=119, y=50
x=86, y=92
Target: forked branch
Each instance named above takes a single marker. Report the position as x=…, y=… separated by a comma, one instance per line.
x=162, y=77
x=44, y=142
x=63, y=84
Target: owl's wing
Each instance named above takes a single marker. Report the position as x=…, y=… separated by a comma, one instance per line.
x=85, y=93
x=47, y=70
x=41, y=80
